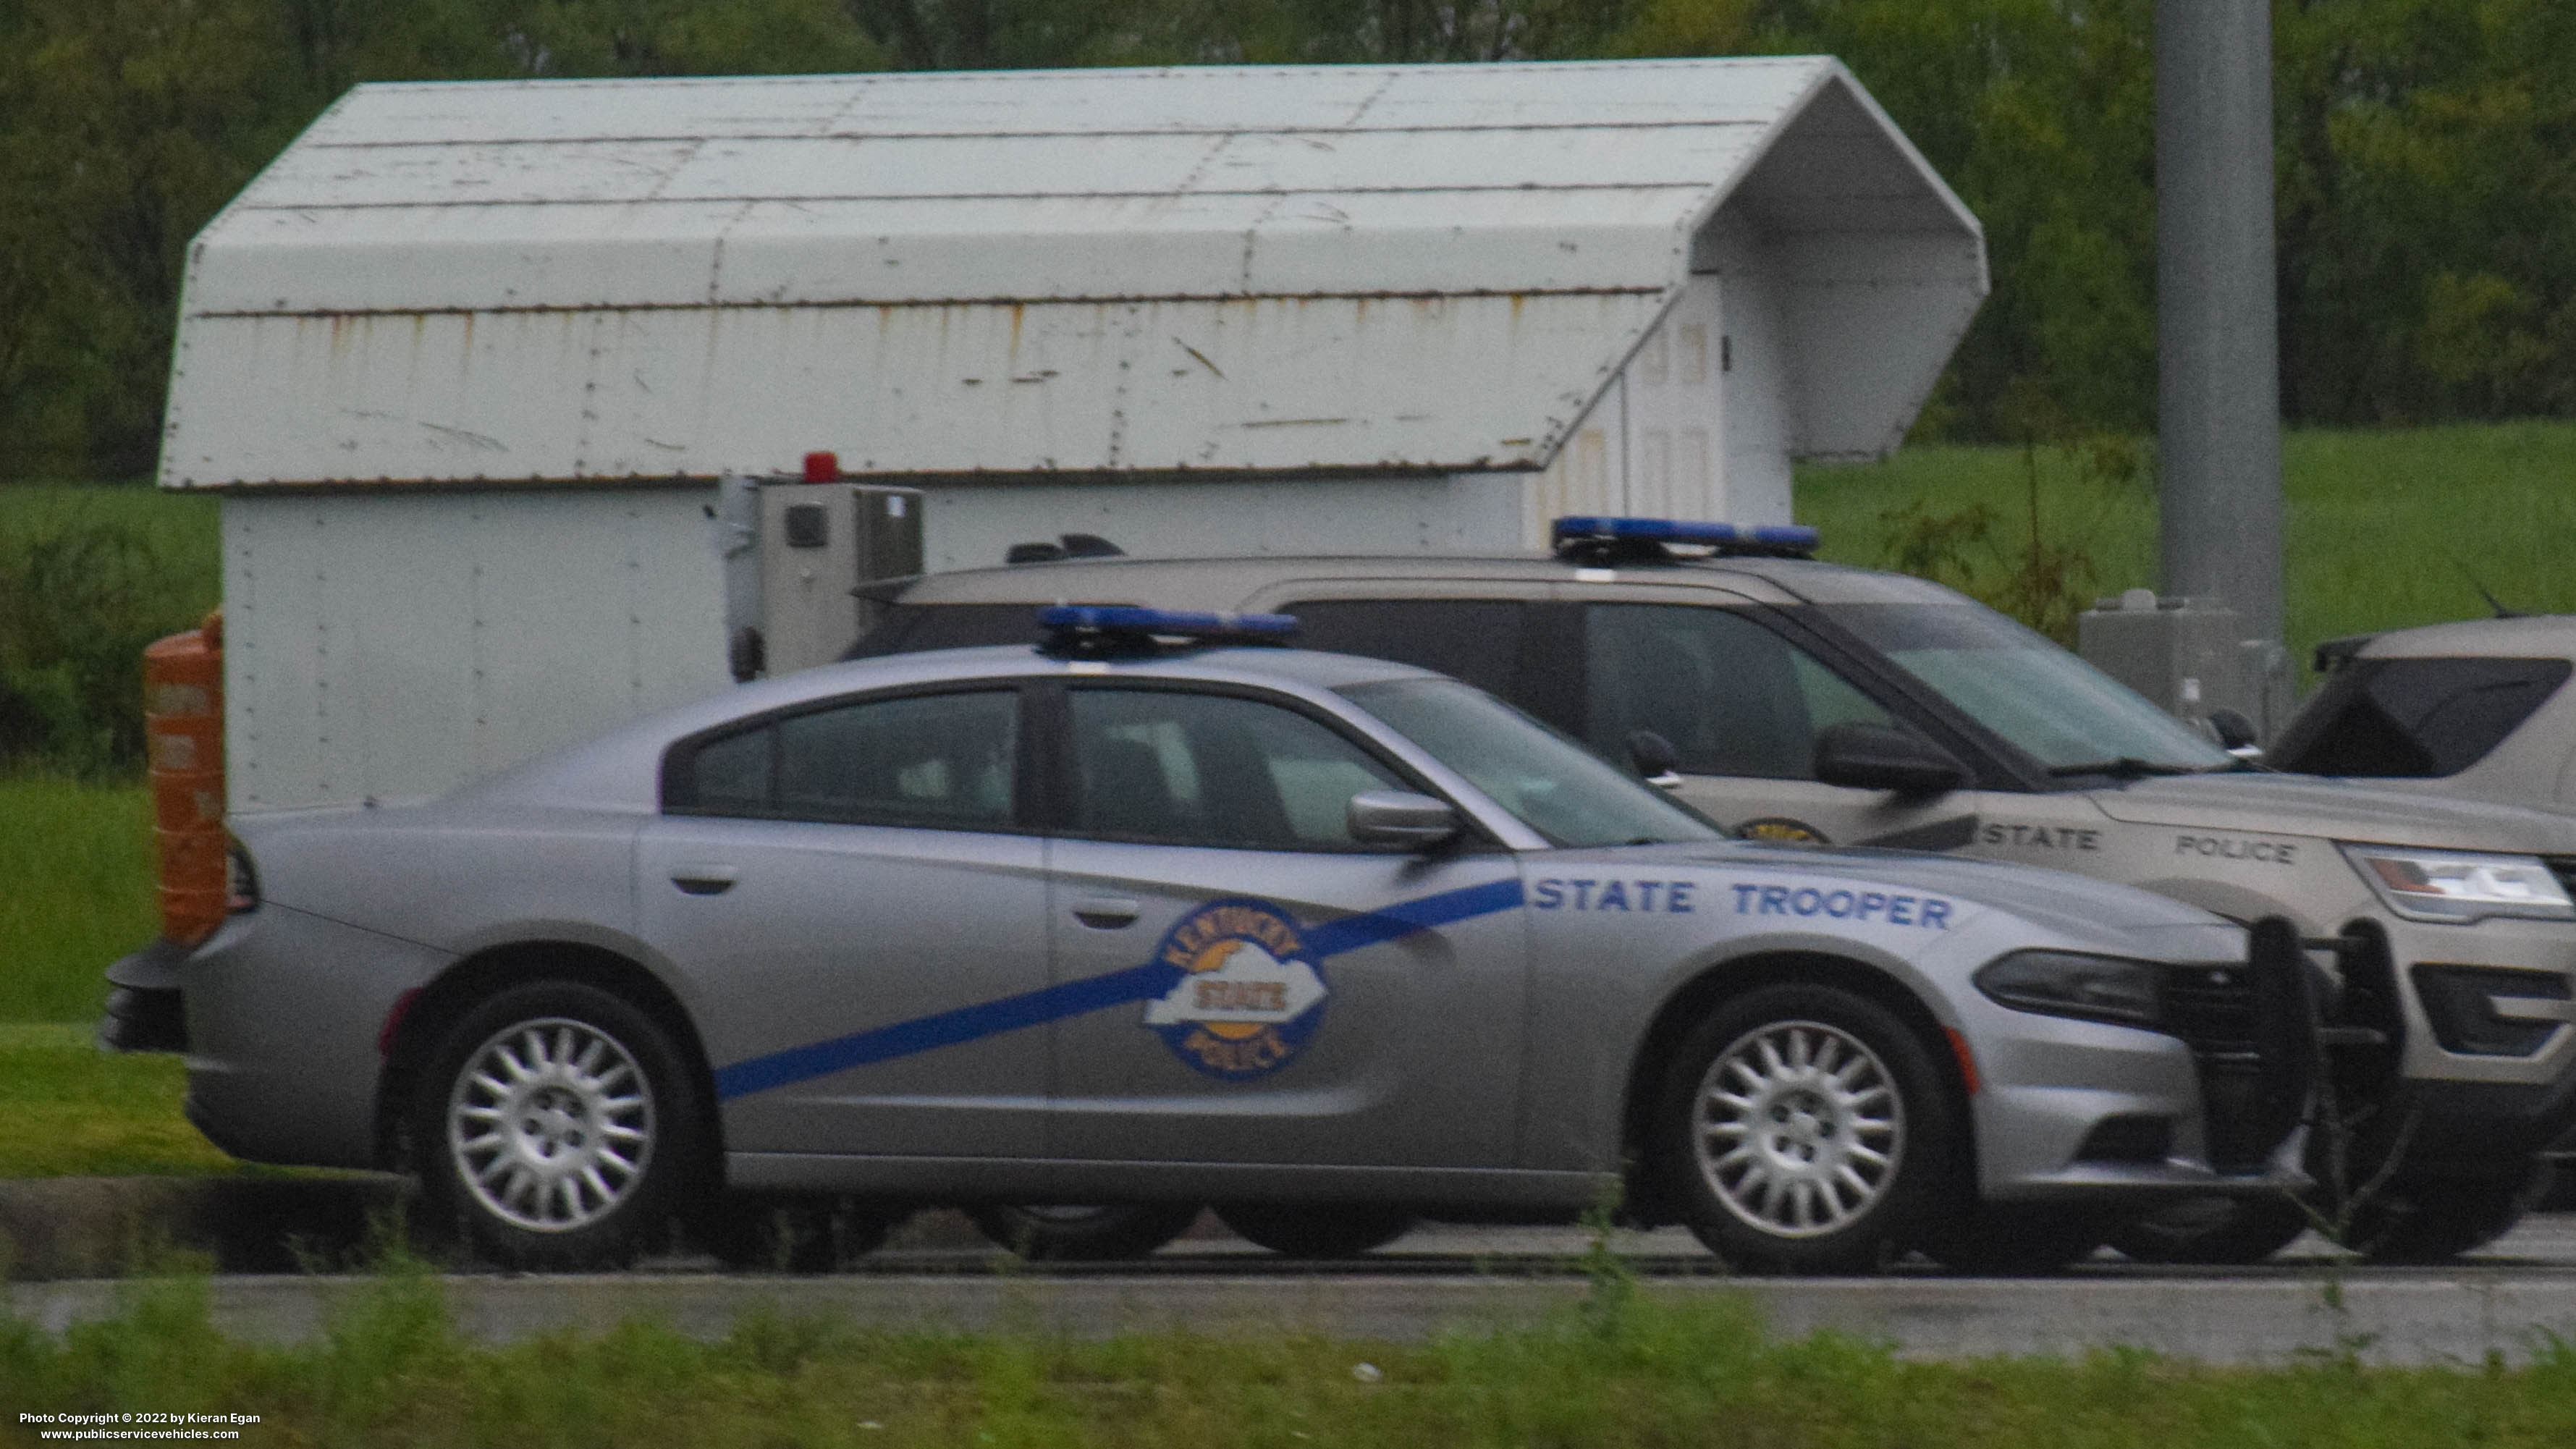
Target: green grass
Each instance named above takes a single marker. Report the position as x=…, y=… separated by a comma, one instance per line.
x=78, y=857
x=394, y=1371
x=2385, y=529
x=179, y=527
x=69, y=1109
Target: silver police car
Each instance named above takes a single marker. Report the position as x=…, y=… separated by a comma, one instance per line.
x=1148, y=916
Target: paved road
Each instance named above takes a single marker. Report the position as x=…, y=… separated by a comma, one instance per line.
x=2509, y=1301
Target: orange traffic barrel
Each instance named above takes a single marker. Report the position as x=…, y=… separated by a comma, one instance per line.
x=183, y=732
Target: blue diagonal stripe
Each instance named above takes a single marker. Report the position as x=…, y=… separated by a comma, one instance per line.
x=1370, y=927
x=1092, y=993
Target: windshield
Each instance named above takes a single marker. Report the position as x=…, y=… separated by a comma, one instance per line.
x=1553, y=785
x=2048, y=703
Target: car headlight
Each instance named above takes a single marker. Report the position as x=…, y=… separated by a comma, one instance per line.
x=2461, y=886
x=2063, y=983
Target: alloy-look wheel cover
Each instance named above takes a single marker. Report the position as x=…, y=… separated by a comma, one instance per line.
x=1798, y=1129
x=550, y=1125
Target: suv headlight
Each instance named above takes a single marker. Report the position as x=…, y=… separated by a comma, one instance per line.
x=2064, y=983
x=2461, y=886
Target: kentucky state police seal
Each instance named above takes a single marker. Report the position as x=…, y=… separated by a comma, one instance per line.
x=1249, y=997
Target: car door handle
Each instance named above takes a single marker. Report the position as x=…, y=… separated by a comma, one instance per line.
x=1106, y=913
x=703, y=880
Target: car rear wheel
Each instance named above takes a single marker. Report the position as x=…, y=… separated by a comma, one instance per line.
x=559, y=1127
x=1084, y=1233
x=1804, y=1129
x=1317, y=1230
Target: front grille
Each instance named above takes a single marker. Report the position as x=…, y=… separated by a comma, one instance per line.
x=2251, y=1025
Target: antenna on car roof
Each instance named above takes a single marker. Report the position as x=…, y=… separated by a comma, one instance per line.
x=2493, y=602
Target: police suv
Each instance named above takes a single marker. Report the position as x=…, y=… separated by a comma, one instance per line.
x=1794, y=700
x=1138, y=920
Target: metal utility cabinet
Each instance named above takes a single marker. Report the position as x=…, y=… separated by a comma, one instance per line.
x=468, y=361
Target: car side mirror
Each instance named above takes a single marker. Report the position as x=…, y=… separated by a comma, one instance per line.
x=2235, y=733
x=1656, y=759
x=1875, y=757
x=1400, y=817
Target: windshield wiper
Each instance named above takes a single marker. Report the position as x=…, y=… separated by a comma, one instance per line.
x=2127, y=767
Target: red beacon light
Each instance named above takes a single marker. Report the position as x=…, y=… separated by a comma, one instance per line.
x=822, y=467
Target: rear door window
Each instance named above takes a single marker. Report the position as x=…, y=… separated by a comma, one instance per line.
x=2415, y=718
x=1733, y=697
x=945, y=761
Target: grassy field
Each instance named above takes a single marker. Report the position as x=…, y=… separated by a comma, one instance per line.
x=2385, y=529
x=79, y=855
x=68, y=1109
x=1629, y=1371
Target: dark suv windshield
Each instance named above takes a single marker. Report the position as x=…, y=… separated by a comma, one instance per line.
x=2415, y=718
x=2046, y=702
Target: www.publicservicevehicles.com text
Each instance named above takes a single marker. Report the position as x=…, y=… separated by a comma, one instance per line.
x=140, y=1426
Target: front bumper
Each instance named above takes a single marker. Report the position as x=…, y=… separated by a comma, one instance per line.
x=2212, y=1104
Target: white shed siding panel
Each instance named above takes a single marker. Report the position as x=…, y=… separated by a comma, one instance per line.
x=394, y=644
x=969, y=525
x=1265, y=385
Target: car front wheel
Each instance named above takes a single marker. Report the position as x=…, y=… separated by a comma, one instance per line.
x=558, y=1127
x=1804, y=1129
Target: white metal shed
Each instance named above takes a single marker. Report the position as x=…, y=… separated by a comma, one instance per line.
x=1378, y=307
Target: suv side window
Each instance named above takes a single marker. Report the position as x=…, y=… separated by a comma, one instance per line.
x=1477, y=640
x=945, y=761
x=1176, y=768
x=2415, y=718
x=1732, y=696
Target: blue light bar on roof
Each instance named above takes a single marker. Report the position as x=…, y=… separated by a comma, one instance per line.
x=1176, y=623
x=1784, y=537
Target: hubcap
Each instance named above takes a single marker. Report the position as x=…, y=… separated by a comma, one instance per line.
x=551, y=1125
x=1798, y=1129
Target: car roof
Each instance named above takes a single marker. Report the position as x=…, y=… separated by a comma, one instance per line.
x=1223, y=582
x=2543, y=636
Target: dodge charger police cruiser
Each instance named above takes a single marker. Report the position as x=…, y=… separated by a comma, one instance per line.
x=1801, y=701
x=1148, y=917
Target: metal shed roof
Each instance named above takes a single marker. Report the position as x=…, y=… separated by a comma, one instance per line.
x=1306, y=269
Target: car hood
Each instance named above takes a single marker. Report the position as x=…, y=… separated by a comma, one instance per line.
x=2118, y=916
x=2315, y=805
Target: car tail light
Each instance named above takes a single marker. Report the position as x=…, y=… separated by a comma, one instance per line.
x=241, y=879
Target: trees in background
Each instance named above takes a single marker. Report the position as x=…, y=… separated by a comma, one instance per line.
x=2427, y=162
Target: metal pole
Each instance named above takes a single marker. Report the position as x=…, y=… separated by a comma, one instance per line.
x=2218, y=352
